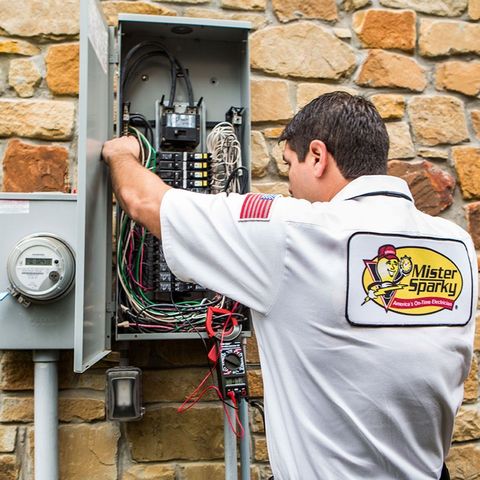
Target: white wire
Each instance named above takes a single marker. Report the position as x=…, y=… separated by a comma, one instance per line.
x=223, y=144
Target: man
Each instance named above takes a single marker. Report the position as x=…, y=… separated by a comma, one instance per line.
x=358, y=384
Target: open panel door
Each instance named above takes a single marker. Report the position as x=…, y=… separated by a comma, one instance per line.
x=94, y=259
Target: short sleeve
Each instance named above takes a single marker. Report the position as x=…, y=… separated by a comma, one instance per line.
x=207, y=240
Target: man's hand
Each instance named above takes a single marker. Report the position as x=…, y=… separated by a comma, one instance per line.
x=120, y=147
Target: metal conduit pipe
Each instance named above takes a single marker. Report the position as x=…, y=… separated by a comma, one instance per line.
x=230, y=442
x=46, y=414
x=245, y=440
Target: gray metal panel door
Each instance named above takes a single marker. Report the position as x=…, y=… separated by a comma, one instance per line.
x=93, y=288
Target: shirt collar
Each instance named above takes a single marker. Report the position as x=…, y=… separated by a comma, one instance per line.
x=373, y=183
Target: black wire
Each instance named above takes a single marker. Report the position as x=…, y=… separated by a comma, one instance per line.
x=260, y=407
x=146, y=125
x=234, y=173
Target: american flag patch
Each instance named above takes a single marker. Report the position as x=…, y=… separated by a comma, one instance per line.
x=257, y=206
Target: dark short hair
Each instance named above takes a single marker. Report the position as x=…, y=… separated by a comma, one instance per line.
x=351, y=129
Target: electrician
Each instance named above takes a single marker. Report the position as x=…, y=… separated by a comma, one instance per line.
x=362, y=377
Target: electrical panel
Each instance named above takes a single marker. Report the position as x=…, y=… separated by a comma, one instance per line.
x=184, y=94
x=182, y=87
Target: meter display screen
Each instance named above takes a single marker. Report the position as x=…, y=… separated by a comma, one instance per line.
x=38, y=261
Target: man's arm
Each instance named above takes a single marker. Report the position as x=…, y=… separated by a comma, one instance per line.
x=139, y=191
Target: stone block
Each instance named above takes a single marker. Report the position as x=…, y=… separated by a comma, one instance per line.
x=434, y=153
x=438, y=119
x=260, y=157
x=467, y=165
x=462, y=77
x=174, y=385
x=150, y=472
x=432, y=188
x=16, y=409
x=474, y=9
x=470, y=388
x=472, y=211
x=9, y=468
x=260, y=449
x=43, y=119
x=287, y=10
x=271, y=187
x=8, y=438
x=463, y=461
x=24, y=76
x=445, y=8
x=389, y=106
x=92, y=379
x=441, y=37
x=111, y=9
x=475, y=116
x=350, y=5
x=83, y=407
x=386, y=29
x=342, y=33
x=255, y=382
x=306, y=92
x=401, y=145
x=62, y=63
x=385, y=69
x=244, y=4
x=202, y=471
x=34, y=168
x=16, y=370
x=18, y=47
x=270, y=100
x=196, y=2
x=256, y=420
x=258, y=20
x=302, y=50
x=277, y=154
x=195, y=435
x=47, y=19
x=88, y=451
x=252, y=354
x=273, y=132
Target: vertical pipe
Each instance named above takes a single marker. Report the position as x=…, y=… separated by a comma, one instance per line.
x=230, y=442
x=46, y=414
x=245, y=440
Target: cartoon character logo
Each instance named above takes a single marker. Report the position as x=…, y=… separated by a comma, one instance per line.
x=387, y=271
x=411, y=280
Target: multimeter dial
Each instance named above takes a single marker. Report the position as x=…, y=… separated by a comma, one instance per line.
x=41, y=268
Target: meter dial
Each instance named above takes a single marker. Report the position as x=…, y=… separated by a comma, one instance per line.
x=41, y=268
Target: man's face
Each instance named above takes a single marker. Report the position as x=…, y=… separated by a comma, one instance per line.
x=300, y=176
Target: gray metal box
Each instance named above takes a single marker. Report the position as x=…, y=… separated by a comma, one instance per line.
x=48, y=326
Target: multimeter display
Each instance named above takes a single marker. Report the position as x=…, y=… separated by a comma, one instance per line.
x=38, y=261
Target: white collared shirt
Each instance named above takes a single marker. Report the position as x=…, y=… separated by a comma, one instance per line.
x=363, y=371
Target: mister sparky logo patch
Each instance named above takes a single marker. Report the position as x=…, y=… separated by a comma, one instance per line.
x=411, y=280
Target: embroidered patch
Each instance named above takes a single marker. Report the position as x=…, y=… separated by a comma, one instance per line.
x=257, y=206
x=396, y=280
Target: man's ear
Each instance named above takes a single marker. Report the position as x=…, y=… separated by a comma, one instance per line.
x=319, y=157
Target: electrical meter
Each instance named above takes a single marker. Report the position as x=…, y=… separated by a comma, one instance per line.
x=41, y=268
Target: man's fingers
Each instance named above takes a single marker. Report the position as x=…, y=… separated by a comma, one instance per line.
x=117, y=147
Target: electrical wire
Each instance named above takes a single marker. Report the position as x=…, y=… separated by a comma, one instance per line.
x=223, y=144
x=139, y=308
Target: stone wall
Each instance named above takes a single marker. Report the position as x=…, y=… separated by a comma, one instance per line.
x=418, y=60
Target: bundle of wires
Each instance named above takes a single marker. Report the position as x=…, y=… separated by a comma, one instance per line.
x=139, y=309
x=228, y=175
x=143, y=51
